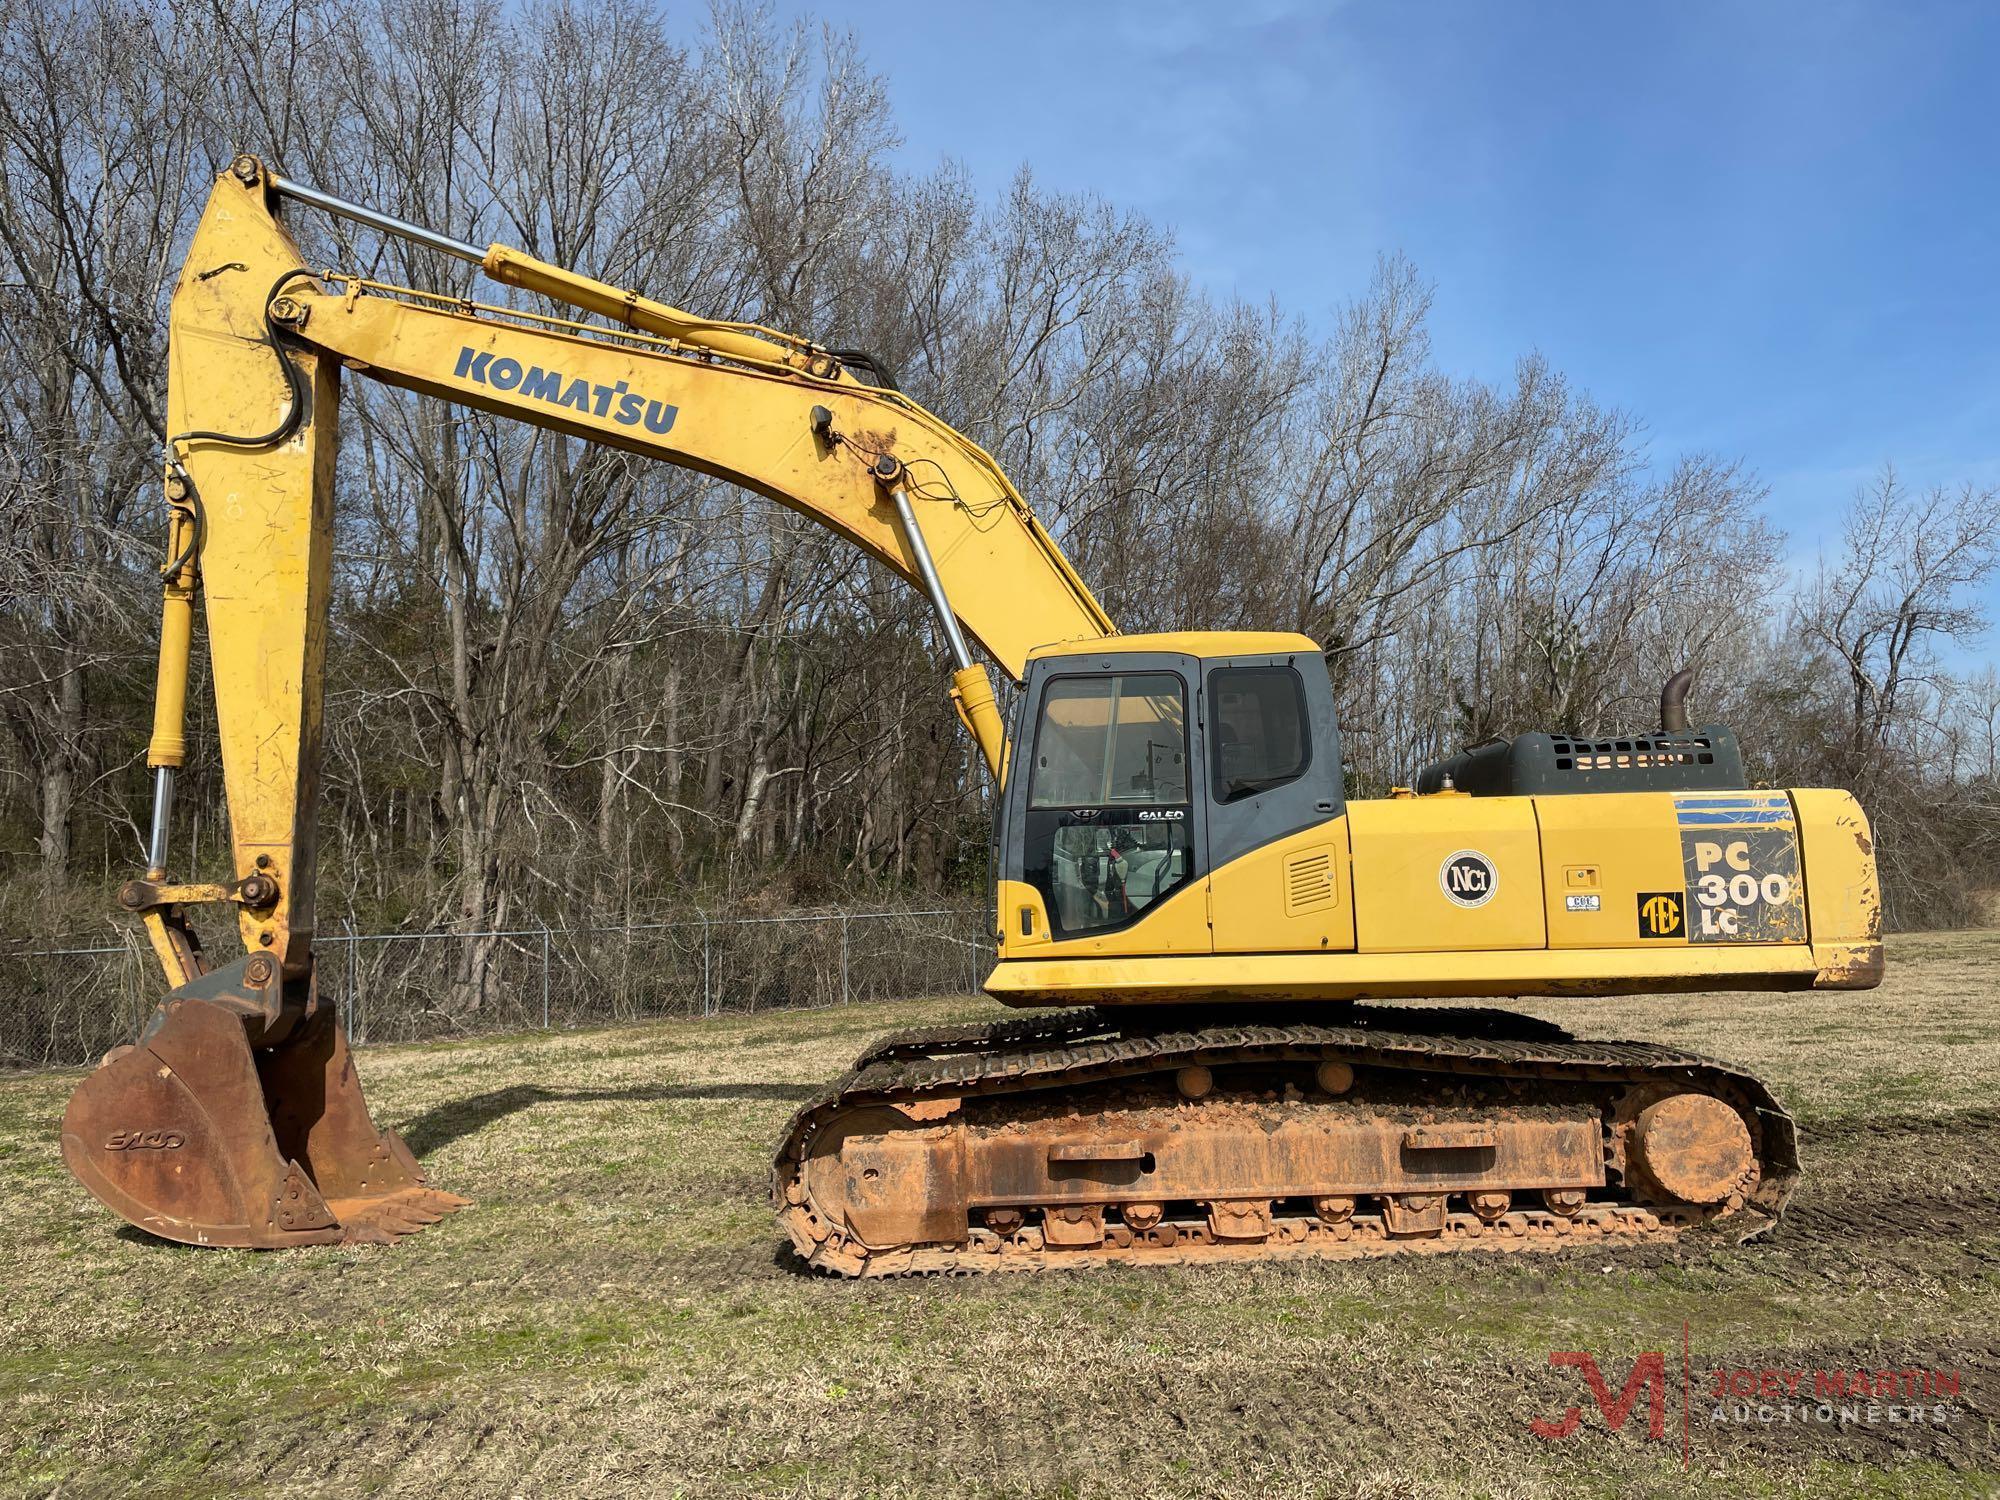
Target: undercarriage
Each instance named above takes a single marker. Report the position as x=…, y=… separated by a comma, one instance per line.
x=1097, y=1136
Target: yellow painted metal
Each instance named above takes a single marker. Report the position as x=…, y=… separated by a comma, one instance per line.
x=972, y=696
x=1023, y=919
x=1843, y=891
x=168, y=746
x=190, y=892
x=1632, y=844
x=1848, y=966
x=1360, y=976
x=1176, y=923
x=1203, y=643
x=170, y=946
x=1290, y=895
x=1402, y=847
x=739, y=341
x=266, y=545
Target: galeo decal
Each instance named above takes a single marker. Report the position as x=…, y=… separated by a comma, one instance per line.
x=1740, y=857
x=619, y=402
x=1468, y=878
x=1163, y=815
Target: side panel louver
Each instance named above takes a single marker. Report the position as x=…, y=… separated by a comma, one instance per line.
x=1308, y=883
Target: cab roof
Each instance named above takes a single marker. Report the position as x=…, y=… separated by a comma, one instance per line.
x=1202, y=643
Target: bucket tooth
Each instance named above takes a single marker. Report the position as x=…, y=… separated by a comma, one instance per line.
x=237, y=1120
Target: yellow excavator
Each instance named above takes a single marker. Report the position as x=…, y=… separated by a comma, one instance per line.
x=1186, y=894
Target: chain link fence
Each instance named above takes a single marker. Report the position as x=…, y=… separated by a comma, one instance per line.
x=66, y=1005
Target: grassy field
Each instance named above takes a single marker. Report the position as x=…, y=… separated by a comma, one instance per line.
x=615, y=1316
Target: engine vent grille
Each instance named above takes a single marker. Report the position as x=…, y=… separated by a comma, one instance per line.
x=1638, y=752
x=1308, y=882
x=1543, y=765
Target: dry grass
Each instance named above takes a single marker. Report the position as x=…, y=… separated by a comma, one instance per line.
x=615, y=1319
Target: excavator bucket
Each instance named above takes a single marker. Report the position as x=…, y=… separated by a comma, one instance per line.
x=237, y=1120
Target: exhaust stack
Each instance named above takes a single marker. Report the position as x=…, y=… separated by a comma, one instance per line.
x=1673, y=702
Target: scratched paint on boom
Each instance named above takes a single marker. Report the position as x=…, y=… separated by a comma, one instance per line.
x=620, y=403
x=1741, y=855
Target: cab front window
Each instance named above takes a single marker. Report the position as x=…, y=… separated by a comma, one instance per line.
x=1111, y=741
x=1108, y=810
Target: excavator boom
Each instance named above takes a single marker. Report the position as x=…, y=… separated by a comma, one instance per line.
x=251, y=1129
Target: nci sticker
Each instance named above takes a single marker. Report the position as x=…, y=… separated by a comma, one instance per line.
x=1468, y=878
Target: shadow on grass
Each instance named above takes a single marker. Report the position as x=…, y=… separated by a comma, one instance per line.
x=445, y=1123
x=133, y=1235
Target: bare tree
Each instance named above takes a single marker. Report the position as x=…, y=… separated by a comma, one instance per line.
x=572, y=687
x=1905, y=582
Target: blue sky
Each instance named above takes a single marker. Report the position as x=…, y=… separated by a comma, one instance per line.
x=1771, y=231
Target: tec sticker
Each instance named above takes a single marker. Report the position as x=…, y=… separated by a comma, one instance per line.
x=1662, y=914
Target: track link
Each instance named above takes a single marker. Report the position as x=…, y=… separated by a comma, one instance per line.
x=1022, y=1069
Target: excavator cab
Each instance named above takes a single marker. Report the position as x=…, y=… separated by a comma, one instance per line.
x=1145, y=762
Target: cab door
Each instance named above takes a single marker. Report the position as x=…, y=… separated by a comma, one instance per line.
x=1277, y=826
x=1103, y=848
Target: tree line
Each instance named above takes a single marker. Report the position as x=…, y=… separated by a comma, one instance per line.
x=570, y=685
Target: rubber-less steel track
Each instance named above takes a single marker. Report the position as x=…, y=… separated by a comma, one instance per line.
x=1048, y=1058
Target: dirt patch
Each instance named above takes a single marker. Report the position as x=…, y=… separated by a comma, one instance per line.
x=1871, y=1220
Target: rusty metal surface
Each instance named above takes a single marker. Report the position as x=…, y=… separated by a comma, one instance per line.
x=898, y=1179
x=1855, y=966
x=197, y=1135
x=1691, y=1146
x=981, y=1086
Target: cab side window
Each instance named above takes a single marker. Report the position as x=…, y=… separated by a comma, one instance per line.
x=1261, y=736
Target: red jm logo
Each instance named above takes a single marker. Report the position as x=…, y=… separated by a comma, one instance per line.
x=1649, y=1372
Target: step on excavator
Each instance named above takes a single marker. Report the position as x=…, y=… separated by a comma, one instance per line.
x=1192, y=908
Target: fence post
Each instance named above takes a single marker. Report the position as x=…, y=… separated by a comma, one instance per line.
x=357, y=1026
x=342, y=989
x=843, y=958
x=545, y=978
x=704, y=960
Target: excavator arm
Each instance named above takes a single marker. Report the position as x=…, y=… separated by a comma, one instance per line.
x=252, y=1130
